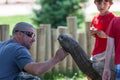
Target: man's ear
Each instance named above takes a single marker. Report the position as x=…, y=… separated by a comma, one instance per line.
x=19, y=34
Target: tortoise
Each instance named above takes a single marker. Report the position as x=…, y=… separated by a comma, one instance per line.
x=82, y=60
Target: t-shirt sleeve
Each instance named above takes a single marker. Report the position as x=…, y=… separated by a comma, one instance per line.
x=110, y=30
x=22, y=58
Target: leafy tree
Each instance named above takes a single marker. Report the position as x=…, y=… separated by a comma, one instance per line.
x=54, y=12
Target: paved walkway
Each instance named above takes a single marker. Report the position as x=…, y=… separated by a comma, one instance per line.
x=21, y=9
x=16, y=9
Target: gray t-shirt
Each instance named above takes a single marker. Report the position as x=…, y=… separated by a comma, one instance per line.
x=13, y=58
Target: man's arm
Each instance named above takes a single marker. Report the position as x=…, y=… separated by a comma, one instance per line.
x=42, y=67
x=108, y=55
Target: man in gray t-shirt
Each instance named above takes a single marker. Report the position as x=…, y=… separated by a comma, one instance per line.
x=15, y=56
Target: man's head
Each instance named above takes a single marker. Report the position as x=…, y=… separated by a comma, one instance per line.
x=24, y=33
x=21, y=26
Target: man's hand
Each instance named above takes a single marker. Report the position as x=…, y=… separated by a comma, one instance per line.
x=106, y=74
x=60, y=54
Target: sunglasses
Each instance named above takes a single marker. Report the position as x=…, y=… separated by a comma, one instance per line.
x=29, y=34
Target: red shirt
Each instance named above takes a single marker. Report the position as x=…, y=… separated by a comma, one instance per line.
x=101, y=23
x=114, y=32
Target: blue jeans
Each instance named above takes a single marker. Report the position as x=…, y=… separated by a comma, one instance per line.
x=117, y=71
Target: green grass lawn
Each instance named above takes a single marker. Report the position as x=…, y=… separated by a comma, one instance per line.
x=64, y=76
x=12, y=20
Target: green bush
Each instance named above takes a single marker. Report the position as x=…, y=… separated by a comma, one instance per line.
x=55, y=12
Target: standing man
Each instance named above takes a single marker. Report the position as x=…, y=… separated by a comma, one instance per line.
x=113, y=47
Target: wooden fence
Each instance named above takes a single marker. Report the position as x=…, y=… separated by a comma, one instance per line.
x=46, y=42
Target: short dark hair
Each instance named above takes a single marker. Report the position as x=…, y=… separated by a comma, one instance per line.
x=111, y=1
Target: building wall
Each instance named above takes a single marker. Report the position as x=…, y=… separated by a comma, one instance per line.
x=16, y=1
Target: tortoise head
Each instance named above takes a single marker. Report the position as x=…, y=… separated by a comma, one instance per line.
x=67, y=42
